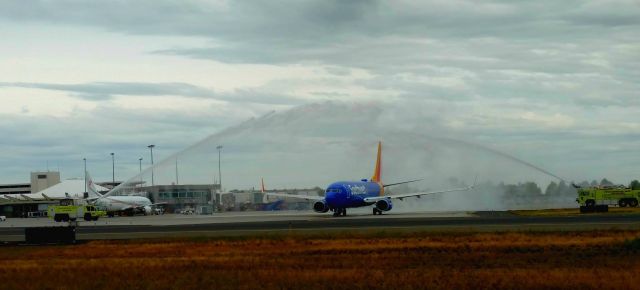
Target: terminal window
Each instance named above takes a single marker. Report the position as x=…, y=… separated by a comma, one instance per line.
x=42, y=176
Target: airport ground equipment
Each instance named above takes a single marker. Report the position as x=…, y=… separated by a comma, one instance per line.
x=50, y=235
x=72, y=209
x=599, y=198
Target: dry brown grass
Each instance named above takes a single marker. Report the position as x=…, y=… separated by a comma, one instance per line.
x=525, y=260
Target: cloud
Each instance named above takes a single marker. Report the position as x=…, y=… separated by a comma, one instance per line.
x=102, y=91
x=526, y=77
x=560, y=49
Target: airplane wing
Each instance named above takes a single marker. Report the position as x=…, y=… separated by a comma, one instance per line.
x=417, y=194
x=307, y=197
x=404, y=182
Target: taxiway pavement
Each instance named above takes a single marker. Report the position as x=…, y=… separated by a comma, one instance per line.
x=248, y=223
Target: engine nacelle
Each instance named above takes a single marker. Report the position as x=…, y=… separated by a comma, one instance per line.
x=384, y=205
x=320, y=206
x=147, y=210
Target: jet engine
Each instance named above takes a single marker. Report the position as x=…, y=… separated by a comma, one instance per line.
x=320, y=206
x=147, y=210
x=384, y=205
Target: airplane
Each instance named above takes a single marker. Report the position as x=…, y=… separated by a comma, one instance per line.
x=351, y=194
x=128, y=204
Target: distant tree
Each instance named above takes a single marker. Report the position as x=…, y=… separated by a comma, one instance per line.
x=606, y=182
x=531, y=188
x=634, y=184
x=584, y=184
x=551, y=188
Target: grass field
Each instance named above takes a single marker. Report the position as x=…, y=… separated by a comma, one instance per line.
x=515, y=260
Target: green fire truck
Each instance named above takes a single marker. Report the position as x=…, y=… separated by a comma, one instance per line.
x=592, y=197
x=72, y=209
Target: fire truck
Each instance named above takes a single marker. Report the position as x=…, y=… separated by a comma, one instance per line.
x=72, y=209
x=596, y=198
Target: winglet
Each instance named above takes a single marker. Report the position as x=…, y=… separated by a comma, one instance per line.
x=377, y=173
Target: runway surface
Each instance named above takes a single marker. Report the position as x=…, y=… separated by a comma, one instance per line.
x=246, y=223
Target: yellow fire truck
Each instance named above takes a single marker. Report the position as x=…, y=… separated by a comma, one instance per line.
x=72, y=209
x=596, y=198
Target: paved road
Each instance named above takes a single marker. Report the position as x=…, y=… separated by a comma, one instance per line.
x=151, y=227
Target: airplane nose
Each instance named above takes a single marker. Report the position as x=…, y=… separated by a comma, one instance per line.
x=330, y=197
x=335, y=199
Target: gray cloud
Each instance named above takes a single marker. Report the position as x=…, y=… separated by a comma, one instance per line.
x=36, y=140
x=453, y=68
x=101, y=91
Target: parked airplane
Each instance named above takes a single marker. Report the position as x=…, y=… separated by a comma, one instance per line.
x=350, y=194
x=127, y=204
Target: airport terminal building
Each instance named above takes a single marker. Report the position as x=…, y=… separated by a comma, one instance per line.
x=197, y=198
x=10, y=194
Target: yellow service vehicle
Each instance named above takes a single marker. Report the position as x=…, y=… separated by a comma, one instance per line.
x=594, y=198
x=72, y=209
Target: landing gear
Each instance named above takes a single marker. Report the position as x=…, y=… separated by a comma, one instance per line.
x=622, y=203
x=340, y=211
x=376, y=211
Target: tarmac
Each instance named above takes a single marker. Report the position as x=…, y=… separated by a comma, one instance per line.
x=257, y=223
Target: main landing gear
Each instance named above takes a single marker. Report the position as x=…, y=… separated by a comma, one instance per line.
x=376, y=211
x=340, y=211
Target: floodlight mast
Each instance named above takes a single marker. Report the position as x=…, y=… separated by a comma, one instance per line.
x=113, y=170
x=151, y=148
x=219, y=147
x=85, y=174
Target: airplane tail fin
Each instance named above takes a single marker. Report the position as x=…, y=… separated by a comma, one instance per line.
x=262, y=185
x=377, y=173
x=91, y=188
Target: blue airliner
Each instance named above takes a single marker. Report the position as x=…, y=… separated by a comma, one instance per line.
x=350, y=194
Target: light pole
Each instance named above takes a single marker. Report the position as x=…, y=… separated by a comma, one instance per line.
x=85, y=174
x=177, y=180
x=219, y=147
x=113, y=170
x=140, y=164
x=151, y=148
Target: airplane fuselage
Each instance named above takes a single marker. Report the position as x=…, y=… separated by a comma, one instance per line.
x=348, y=194
x=120, y=203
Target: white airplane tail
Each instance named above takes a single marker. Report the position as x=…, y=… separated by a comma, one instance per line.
x=91, y=188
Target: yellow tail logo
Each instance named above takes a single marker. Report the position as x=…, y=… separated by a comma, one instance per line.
x=377, y=173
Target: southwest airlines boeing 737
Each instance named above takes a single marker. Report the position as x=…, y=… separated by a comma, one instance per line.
x=350, y=194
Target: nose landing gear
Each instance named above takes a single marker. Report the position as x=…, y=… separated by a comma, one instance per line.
x=340, y=211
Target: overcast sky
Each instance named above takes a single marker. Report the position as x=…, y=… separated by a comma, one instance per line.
x=555, y=83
